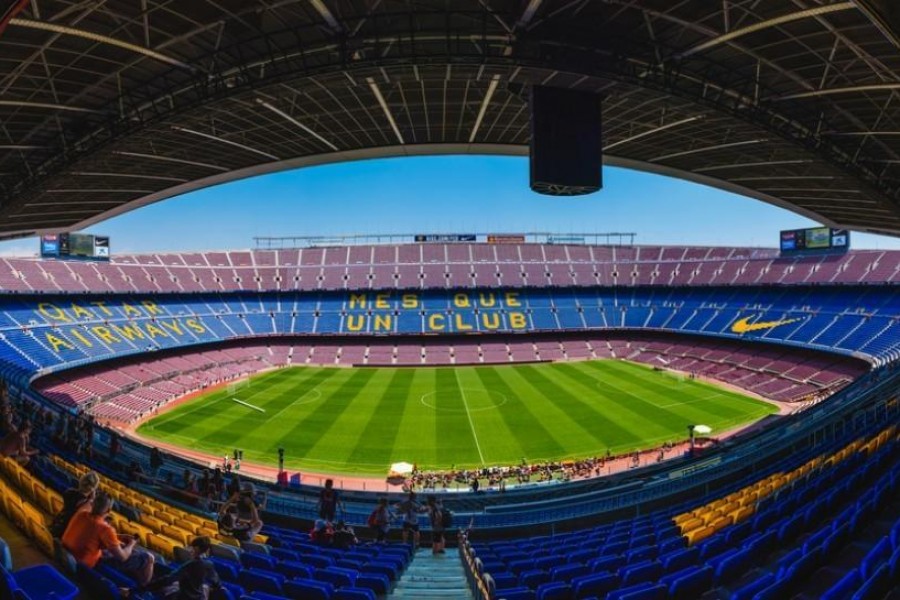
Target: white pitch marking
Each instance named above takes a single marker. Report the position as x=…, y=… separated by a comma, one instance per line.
x=248, y=405
x=469, y=414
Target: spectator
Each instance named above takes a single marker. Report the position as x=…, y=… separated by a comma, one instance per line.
x=344, y=536
x=436, y=514
x=74, y=500
x=135, y=473
x=321, y=533
x=328, y=501
x=156, y=463
x=15, y=444
x=239, y=516
x=90, y=538
x=114, y=446
x=380, y=520
x=410, y=510
x=194, y=579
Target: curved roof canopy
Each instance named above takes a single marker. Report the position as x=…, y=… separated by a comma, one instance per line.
x=109, y=105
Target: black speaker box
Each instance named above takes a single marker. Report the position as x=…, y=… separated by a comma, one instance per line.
x=566, y=142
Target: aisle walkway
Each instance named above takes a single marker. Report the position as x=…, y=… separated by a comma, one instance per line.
x=430, y=576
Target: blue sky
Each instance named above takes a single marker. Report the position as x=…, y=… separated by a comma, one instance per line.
x=456, y=194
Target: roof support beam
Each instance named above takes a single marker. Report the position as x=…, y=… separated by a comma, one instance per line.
x=795, y=16
x=100, y=39
x=47, y=105
x=877, y=87
x=707, y=149
x=384, y=107
x=764, y=163
x=326, y=14
x=294, y=121
x=492, y=87
x=170, y=159
x=210, y=136
x=643, y=134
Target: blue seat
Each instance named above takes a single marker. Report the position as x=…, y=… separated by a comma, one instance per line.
x=749, y=590
x=379, y=584
x=351, y=593
x=844, y=587
x=875, y=587
x=293, y=570
x=505, y=581
x=95, y=585
x=641, y=591
x=227, y=569
x=532, y=579
x=555, y=590
x=606, y=563
x=222, y=594
x=37, y=583
x=733, y=566
x=597, y=584
x=691, y=585
x=5, y=556
x=880, y=553
x=308, y=589
x=641, y=572
x=680, y=559
x=519, y=593
x=283, y=554
x=254, y=560
x=381, y=568
x=256, y=580
x=265, y=596
x=569, y=572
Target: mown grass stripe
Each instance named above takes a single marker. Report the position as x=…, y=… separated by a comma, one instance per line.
x=518, y=417
x=376, y=443
x=606, y=431
x=324, y=415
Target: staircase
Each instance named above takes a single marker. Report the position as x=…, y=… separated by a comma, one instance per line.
x=430, y=576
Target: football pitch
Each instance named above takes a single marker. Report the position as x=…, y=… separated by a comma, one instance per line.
x=360, y=420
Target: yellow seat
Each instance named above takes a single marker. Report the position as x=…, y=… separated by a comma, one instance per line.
x=698, y=535
x=682, y=518
x=691, y=525
x=186, y=525
x=179, y=535
x=162, y=544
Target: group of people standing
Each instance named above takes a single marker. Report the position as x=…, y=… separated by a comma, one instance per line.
x=383, y=515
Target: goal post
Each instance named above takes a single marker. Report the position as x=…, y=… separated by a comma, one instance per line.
x=237, y=386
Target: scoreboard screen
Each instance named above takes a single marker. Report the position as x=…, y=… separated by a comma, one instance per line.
x=816, y=240
x=81, y=246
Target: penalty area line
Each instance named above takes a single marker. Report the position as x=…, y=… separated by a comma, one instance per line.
x=248, y=405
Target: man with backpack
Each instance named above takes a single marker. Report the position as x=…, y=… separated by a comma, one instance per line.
x=441, y=520
x=380, y=519
x=410, y=510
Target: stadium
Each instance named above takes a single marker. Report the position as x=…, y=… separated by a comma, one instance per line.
x=566, y=415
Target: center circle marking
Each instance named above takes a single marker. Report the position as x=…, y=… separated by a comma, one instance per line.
x=496, y=399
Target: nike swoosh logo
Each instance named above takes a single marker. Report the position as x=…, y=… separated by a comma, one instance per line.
x=743, y=325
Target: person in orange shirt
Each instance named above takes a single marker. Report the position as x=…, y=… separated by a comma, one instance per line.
x=90, y=538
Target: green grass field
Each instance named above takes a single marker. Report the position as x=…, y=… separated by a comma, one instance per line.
x=360, y=420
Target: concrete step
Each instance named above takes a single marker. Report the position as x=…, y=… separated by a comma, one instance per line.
x=441, y=577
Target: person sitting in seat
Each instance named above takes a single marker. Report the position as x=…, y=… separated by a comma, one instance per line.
x=15, y=444
x=321, y=533
x=90, y=539
x=344, y=536
x=239, y=516
x=74, y=500
x=194, y=579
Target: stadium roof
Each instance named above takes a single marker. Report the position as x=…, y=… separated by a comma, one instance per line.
x=110, y=105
